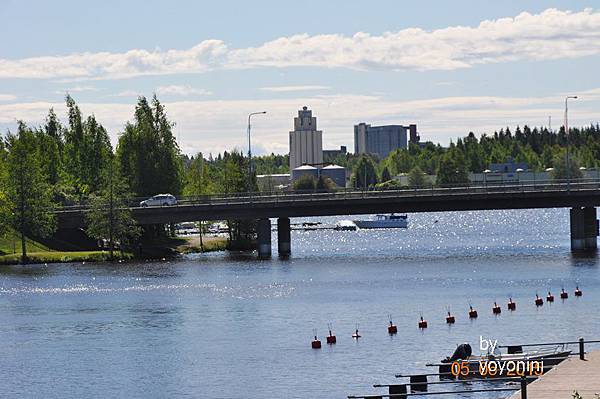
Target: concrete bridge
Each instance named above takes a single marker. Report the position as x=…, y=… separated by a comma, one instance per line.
x=582, y=197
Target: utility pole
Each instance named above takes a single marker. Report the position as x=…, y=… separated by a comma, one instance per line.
x=550, y=123
x=568, y=141
x=111, y=215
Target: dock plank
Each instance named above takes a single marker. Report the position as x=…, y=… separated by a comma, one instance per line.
x=572, y=374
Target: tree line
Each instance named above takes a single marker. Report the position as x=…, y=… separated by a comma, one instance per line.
x=42, y=168
x=540, y=148
x=74, y=163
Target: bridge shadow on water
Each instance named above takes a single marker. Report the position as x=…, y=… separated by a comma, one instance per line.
x=585, y=259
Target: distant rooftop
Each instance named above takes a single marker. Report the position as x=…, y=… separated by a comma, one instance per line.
x=305, y=167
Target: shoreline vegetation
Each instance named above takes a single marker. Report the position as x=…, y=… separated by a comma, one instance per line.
x=209, y=244
x=73, y=163
x=38, y=253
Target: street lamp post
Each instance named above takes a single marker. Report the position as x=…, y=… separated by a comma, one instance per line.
x=250, y=149
x=568, y=143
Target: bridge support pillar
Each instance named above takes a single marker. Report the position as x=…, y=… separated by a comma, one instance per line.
x=263, y=230
x=584, y=229
x=284, y=240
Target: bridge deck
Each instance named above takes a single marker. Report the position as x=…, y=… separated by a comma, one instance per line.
x=350, y=202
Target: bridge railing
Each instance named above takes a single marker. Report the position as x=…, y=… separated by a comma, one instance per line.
x=506, y=187
x=492, y=187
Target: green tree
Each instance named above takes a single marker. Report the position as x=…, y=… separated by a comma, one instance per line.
x=4, y=204
x=416, y=178
x=399, y=161
x=198, y=183
x=73, y=147
x=324, y=183
x=453, y=169
x=28, y=192
x=560, y=170
x=271, y=164
x=364, y=173
x=110, y=217
x=197, y=178
x=86, y=152
x=305, y=183
x=385, y=174
x=50, y=147
x=233, y=174
x=232, y=177
x=96, y=155
x=149, y=157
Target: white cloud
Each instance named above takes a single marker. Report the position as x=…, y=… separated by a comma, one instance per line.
x=79, y=89
x=285, y=89
x=176, y=90
x=7, y=97
x=76, y=89
x=217, y=125
x=551, y=34
x=128, y=93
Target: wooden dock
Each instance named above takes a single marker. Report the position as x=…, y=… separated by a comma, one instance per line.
x=571, y=375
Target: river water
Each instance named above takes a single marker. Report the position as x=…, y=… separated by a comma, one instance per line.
x=225, y=326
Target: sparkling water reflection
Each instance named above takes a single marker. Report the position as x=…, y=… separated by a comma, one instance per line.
x=225, y=326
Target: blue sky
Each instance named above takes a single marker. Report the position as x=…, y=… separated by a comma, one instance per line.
x=450, y=67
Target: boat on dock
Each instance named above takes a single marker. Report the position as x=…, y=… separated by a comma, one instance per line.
x=384, y=222
x=462, y=364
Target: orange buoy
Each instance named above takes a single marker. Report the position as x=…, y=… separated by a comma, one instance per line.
x=549, y=297
x=392, y=329
x=538, y=301
x=564, y=294
x=578, y=291
x=450, y=319
x=472, y=313
x=316, y=344
x=331, y=339
x=422, y=323
x=496, y=309
x=511, y=305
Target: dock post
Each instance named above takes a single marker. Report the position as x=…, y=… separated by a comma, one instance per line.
x=581, y=349
x=263, y=230
x=284, y=241
x=523, y=388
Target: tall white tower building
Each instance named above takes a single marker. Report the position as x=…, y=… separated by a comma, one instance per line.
x=306, y=142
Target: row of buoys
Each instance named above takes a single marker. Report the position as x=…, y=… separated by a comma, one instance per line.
x=450, y=319
x=550, y=298
x=331, y=339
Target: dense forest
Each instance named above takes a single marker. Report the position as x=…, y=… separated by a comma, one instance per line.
x=71, y=163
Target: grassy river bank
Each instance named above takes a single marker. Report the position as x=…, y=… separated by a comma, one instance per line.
x=10, y=250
